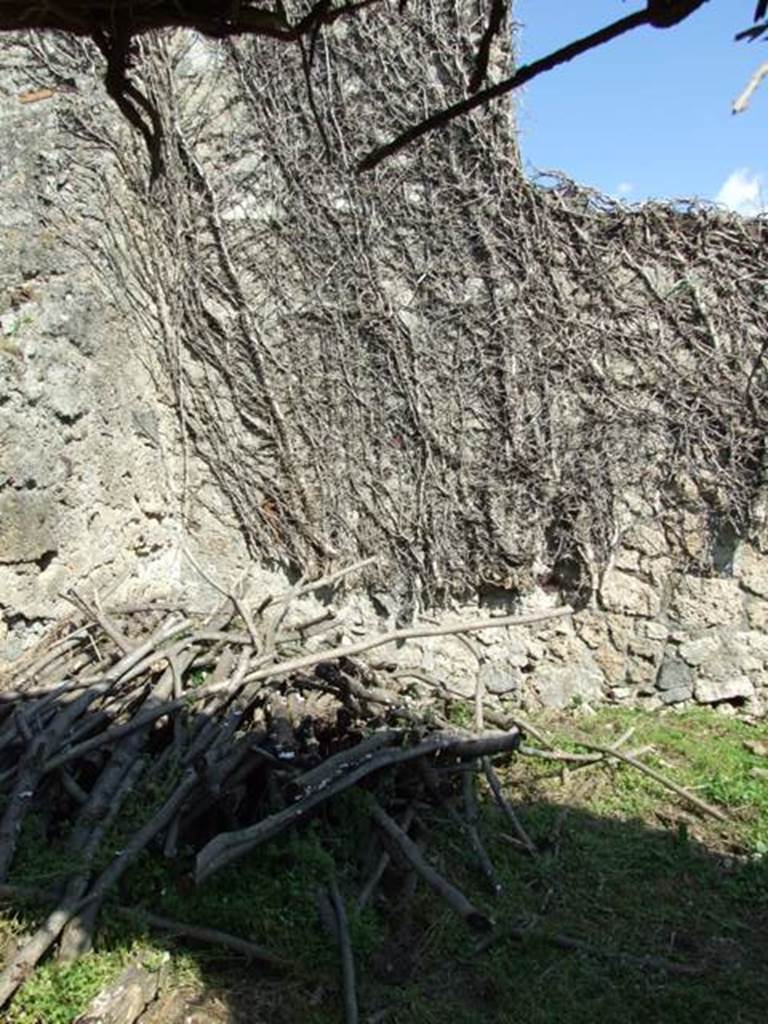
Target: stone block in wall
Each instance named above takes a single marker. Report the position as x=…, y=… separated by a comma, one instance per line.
x=648, y=539
x=757, y=613
x=511, y=648
x=642, y=673
x=620, y=692
x=624, y=593
x=612, y=663
x=27, y=526
x=677, y=695
x=653, y=631
x=727, y=663
x=642, y=647
x=753, y=640
x=699, y=650
x=657, y=570
x=567, y=648
x=450, y=660
x=698, y=602
x=500, y=679
x=622, y=629
x=558, y=686
x=695, y=534
x=627, y=559
x=750, y=568
x=674, y=675
x=592, y=627
x=711, y=691
x=651, y=703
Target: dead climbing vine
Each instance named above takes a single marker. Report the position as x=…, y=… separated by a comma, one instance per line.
x=476, y=376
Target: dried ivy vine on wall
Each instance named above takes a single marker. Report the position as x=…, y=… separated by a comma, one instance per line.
x=439, y=361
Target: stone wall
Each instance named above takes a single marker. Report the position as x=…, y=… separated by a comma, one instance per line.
x=90, y=464
x=136, y=426
x=655, y=637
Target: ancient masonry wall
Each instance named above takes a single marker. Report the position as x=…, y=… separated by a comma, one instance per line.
x=656, y=638
x=102, y=485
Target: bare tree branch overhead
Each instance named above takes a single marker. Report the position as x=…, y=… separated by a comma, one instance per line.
x=114, y=25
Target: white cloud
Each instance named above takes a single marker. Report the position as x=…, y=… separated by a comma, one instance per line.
x=743, y=192
x=624, y=189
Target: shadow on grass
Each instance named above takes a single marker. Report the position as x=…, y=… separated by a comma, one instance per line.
x=621, y=889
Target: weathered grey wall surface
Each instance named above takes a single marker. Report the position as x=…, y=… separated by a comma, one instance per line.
x=89, y=472
x=81, y=492
x=514, y=397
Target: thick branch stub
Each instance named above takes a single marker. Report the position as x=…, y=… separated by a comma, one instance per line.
x=666, y=13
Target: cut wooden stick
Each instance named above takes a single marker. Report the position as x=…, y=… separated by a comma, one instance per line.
x=686, y=794
x=32, y=769
x=345, y=951
x=383, y=863
x=523, y=934
x=334, y=765
x=472, y=815
x=741, y=103
x=141, y=916
x=397, y=635
x=507, y=809
x=455, y=899
x=93, y=823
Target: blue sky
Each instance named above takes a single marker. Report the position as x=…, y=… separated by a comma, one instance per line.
x=649, y=114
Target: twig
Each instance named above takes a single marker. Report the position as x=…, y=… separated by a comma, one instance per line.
x=198, y=933
x=273, y=627
x=495, y=21
x=350, y=650
x=524, y=934
x=507, y=809
x=230, y=595
x=141, y=916
x=24, y=961
x=383, y=863
x=714, y=812
x=324, y=581
x=523, y=75
x=455, y=899
x=741, y=103
x=99, y=617
x=345, y=951
x=560, y=755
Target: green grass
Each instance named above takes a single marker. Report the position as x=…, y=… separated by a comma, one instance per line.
x=57, y=994
x=626, y=867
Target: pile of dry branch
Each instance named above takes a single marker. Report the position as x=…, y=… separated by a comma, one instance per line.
x=254, y=738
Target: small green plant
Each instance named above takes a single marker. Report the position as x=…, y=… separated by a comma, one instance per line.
x=460, y=713
x=56, y=994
